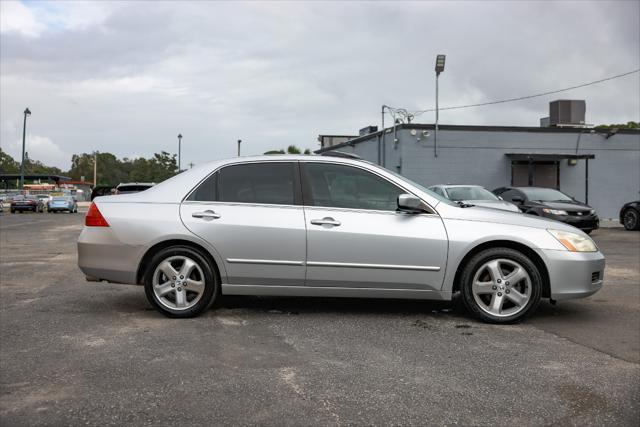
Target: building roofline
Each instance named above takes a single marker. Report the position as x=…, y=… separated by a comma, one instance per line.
x=476, y=128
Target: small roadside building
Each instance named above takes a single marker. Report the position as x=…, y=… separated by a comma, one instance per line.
x=599, y=167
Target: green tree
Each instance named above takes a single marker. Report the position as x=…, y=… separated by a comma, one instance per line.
x=628, y=125
x=7, y=164
x=292, y=149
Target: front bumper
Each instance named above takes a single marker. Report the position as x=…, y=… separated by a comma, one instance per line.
x=574, y=274
x=587, y=222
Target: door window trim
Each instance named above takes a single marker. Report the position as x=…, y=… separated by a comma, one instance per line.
x=297, y=185
x=306, y=189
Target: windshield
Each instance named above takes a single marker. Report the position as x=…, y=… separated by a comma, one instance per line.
x=470, y=193
x=545, y=194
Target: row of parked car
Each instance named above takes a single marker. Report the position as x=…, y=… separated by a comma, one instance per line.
x=546, y=202
x=41, y=202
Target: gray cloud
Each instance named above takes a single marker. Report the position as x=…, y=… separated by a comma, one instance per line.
x=129, y=77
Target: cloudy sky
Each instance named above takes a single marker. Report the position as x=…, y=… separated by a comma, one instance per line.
x=127, y=77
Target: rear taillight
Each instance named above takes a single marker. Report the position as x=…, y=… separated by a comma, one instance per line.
x=94, y=218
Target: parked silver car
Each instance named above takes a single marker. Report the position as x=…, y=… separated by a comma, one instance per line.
x=473, y=195
x=333, y=227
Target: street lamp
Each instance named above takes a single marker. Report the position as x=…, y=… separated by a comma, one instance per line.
x=179, y=149
x=24, y=130
x=439, y=68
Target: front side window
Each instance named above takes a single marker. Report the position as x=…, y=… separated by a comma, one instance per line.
x=342, y=186
x=510, y=194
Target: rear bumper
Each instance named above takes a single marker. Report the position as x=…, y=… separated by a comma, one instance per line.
x=24, y=208
x=574, y=274
x=102, y=256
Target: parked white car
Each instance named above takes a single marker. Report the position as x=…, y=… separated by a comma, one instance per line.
x=473, y=195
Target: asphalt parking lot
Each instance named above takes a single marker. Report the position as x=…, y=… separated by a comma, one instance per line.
x=74, y=352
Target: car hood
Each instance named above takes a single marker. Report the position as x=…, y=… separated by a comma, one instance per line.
x=572, y=206
x=494, y=204
x=482, y=214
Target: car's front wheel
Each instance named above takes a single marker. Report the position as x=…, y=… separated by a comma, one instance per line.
x=631, y=219
x=501, y=285
x=180, y=282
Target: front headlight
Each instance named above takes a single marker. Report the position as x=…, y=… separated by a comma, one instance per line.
x=574, y=242
x=554, y=211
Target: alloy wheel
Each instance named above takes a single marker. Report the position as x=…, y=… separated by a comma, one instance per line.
x=178, y=282
x=501, y=287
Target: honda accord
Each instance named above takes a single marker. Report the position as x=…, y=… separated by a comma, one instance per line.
x=332, y=227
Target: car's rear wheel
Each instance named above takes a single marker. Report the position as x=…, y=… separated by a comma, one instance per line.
x=631, y=219
x=501, y=285
x=181, y=282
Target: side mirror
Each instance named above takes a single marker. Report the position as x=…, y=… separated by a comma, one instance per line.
x=517, y=199
x=410, y=204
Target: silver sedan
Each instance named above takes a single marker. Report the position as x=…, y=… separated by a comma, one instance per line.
x=332, y=227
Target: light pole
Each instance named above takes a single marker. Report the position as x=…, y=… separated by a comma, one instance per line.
x=179, y=149
x=95, y=169
x=24, y=131
x=239, y=142
x=439, y=68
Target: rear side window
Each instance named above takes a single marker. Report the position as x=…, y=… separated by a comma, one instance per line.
x=268, y=183
x=343, y=186
x=207, y=191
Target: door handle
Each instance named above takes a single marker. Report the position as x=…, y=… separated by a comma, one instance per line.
x=326, y=221
x=206, y=214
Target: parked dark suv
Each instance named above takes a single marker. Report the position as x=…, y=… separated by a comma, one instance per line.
x=552, y=204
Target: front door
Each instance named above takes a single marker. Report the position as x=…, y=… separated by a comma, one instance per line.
x=356, y=239
x=251, y=214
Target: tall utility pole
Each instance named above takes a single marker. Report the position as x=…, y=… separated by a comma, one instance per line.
x=439, y=68
x=179, y=150
x=95, y=169
x=239, y=142
x=24, y=132
x=382, y=140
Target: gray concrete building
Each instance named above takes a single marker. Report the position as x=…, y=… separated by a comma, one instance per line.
x=600, y=167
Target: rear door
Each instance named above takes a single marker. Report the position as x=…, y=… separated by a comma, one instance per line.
x=356, y=239
x=252, y=214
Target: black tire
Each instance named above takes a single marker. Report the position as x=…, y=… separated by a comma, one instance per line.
x=477, y=261
x=212, y=283
x=13, y=211
x=631, y=219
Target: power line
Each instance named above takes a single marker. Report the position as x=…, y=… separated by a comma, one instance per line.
x=502, y=101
